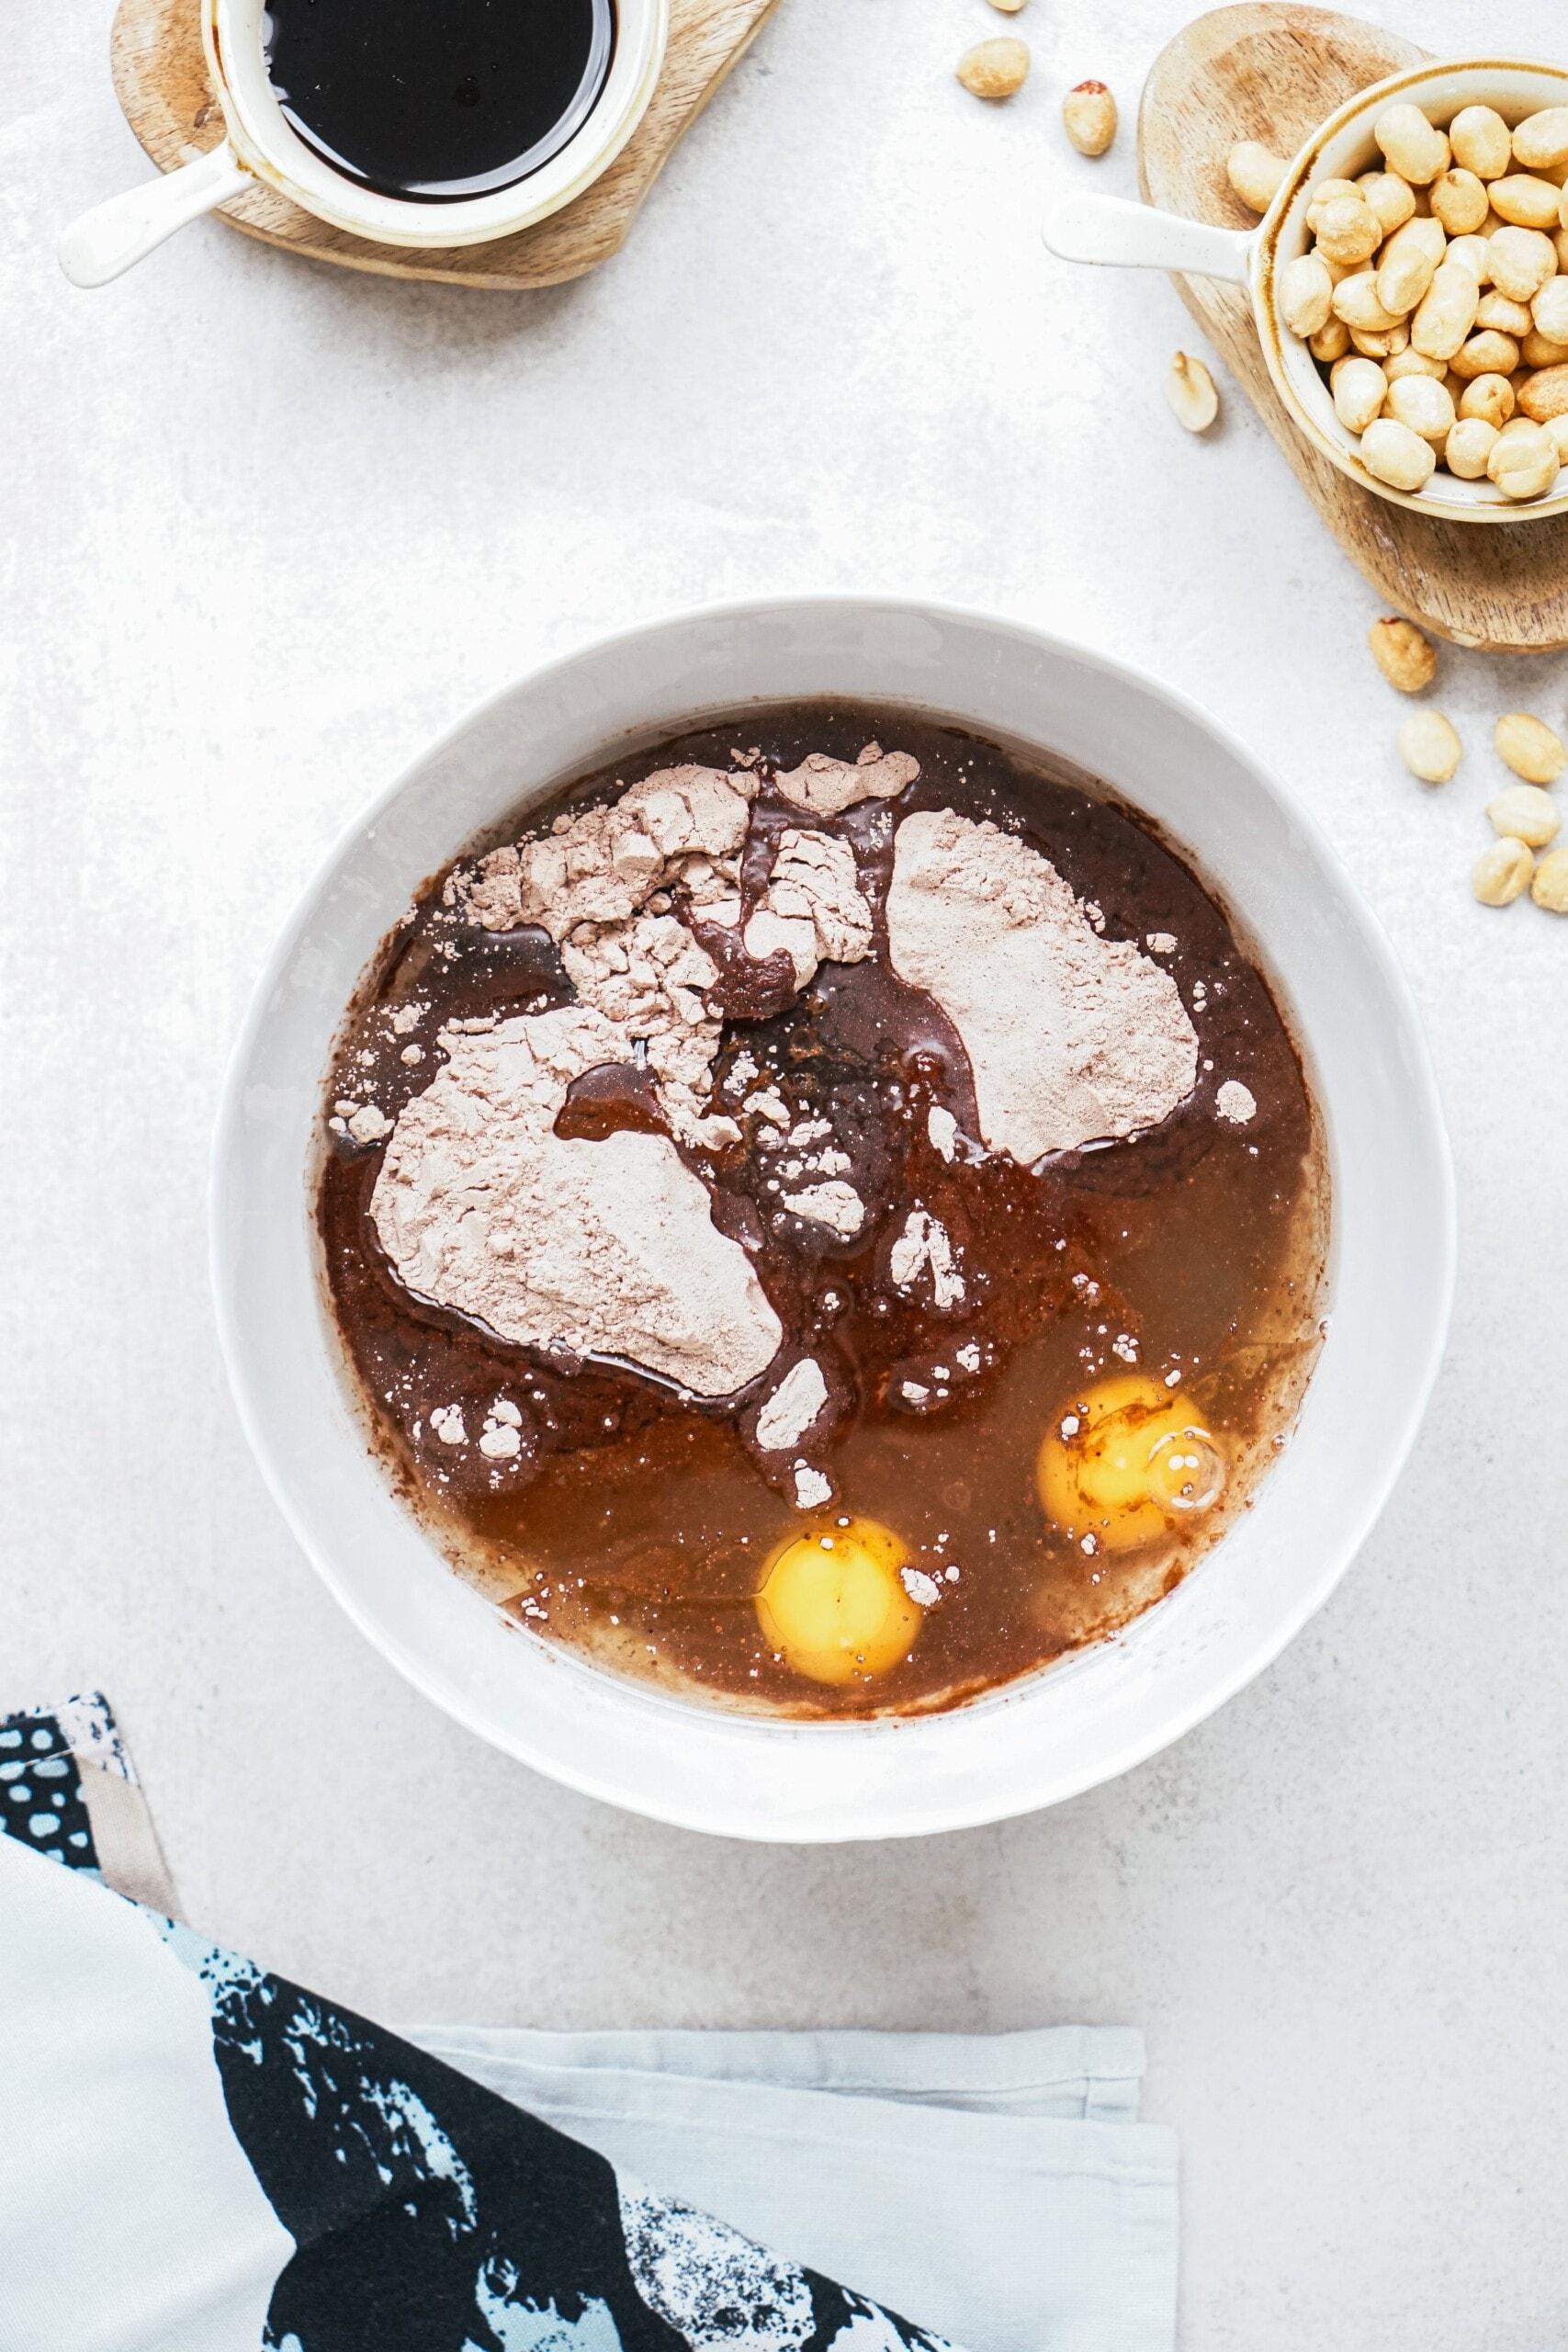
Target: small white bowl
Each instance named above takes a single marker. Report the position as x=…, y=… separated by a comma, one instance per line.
x=1082, y=226
x=1079, y=1723
x=260, y=143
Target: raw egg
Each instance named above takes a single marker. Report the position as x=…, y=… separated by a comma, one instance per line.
x=1127, y=1463
x=832, y=1602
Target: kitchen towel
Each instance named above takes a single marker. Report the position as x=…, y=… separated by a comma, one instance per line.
x=202, y=2158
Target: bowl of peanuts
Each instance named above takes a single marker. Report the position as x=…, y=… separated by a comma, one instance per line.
x=1409, y=278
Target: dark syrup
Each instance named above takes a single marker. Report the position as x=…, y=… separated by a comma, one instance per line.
x=437, y=99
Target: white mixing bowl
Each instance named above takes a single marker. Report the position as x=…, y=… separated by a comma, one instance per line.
x=1095, y=1714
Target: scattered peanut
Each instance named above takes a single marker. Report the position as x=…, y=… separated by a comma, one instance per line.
x=1529, y=746
x=1411, y=145
x=1523, y=462
x=1480, y=141
x=1502, y=872
x=1549, y=888
x=1190, y=389
x=1523, y=812
x=1429, y=746
x=1254, y=173
x=1088, y=117
x=1406, y=659
x=1396, y=454
x=996, y=68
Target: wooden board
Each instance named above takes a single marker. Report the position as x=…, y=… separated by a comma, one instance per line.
x=160, y=79
x=1274, y=73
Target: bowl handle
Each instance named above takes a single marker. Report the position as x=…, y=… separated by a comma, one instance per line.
x=1083, y=227
x=113, y=235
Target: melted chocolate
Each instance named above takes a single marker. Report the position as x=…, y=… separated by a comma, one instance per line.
x=637, y=1522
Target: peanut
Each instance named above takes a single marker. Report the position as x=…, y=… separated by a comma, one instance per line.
x=1424, y=405
x=1331, y=342
x=1540, y=142
x=1429, y=746
x=1355, y=301
x=1446, y=311
x=1490, y=398
x=1523, y=812
x=1407, y=659
x=1410, y=145
x=994, y=69
x=1525, y=202
x=1347, y=229
x=1322, y=193
x=1382, y=343
x=1392, y=199
x=1500, y=313
x=1532, y=748
x=1306, y=295
x=1472, y=254
x=1545, y=394
x=1538, y=350
x=1523, y=460
x=1502, y=872
x=1480, y=141
x=1549, y=888
x=1359, y=388
x=1486, y=355
x=1413, y=363
x=1088, y=117
x=1468, y=447
x=1459, y=201
x=1405, y=271
x=1254, y=173
x=1190, y=389
x=1522, y=260
x=1396, y=454
x=1548, y=312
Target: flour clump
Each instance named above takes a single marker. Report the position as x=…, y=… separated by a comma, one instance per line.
x=1071, y=1038
x=601, y=1248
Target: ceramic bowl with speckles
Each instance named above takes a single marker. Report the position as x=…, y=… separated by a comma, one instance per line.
x=1083, y=226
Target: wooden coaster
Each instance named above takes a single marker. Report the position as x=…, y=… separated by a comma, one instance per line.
x=1274, y=73
x=160, y=79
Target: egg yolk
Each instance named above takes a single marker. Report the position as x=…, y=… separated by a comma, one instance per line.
x=1136, y=1462
x=832, y=1601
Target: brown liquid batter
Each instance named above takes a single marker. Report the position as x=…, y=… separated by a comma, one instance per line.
x=636, y=1525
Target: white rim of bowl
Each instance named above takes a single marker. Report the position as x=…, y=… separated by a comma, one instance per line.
x=962, y=1815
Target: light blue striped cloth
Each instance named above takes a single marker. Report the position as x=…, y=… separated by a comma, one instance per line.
x=998, y=2185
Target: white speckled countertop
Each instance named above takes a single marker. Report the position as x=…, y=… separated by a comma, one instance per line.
x=267, y=528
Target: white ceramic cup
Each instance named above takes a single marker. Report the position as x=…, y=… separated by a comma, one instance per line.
x=259, y=143
x=1082, y=226
x=1059, y=1731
